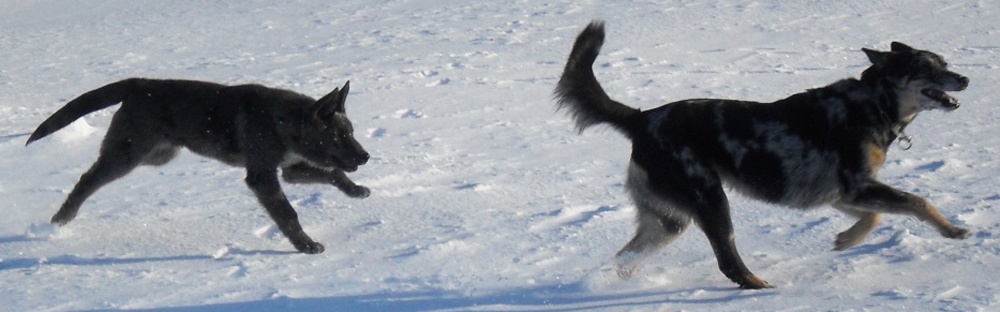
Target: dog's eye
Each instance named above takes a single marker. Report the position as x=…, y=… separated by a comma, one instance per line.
x=940, y=61
x=337, y=137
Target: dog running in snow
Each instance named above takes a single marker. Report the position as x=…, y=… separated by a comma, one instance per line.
x=252, y=126
x=821, y=146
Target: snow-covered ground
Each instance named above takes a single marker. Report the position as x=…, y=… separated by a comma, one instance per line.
x=484, y=197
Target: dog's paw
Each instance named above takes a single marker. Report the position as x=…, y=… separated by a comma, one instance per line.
x=846, y=240
x=956, y=233
x=357, y=191
x=311, y=248
x=753, y=282
x=61, y=218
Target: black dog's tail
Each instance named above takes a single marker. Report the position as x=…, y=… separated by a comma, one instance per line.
x=579, y=92
x=84, y=104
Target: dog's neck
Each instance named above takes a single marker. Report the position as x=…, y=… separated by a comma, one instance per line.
x=887, y=107
x=896, y=123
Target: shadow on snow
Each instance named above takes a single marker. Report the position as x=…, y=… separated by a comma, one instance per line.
x=542, y=298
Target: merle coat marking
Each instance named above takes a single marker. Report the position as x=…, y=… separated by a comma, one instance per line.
x=821, y=146
x=252, y=126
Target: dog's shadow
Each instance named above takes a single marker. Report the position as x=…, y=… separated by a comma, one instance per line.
x=564, y=297
x=897, y=239
x=9, y=137
x=536, y=298
x=73, y=260
x=19, y=238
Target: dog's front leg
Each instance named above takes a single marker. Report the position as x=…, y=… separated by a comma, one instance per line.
x=877, y=197
x=867, y=221
x=342, y=182
x=265, y=186
x=303, y=173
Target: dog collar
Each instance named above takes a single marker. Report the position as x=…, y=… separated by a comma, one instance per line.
x=905, y=141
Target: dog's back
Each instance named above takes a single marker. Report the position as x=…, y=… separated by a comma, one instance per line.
x=145, y=92
x=201, y=116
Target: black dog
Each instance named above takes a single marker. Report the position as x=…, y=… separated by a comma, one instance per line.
x=252, y=126
x=822, y=146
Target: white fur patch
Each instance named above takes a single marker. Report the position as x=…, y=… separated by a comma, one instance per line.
x=638, y=185
x=292, y=158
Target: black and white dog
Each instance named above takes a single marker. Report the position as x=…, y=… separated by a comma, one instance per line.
x=252, y=126
x=821, y=146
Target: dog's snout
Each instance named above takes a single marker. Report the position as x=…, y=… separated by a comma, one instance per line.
x=360, y=154
x=963, y=82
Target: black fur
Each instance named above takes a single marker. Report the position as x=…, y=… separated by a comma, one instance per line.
x=822, y=146
x=579, y=84
x=252, y=126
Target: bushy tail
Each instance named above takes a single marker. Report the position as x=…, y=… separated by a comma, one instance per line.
x=579, y=92
x=84, y=104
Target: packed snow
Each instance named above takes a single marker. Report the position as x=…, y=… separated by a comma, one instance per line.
x=484, y=197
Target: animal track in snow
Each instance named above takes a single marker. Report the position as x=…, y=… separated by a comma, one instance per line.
x=473, y=186
x=570, y=216
x=377, y=132
x=408, y=113
x=932, y=166
x=269, y=231
x=442, y=81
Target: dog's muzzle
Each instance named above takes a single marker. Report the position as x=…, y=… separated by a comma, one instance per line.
x=949, y=102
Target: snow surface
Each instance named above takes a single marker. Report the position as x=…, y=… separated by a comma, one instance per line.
x=484, y=197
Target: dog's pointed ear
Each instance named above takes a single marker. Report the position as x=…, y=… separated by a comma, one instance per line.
x=900, y=47
x=326, y=106
x=878, y=58
x=332, y=103
x=342, y=98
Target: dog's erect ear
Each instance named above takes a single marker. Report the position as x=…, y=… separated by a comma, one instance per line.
x=900, y=47
x=331, y=103
x=342, y=100
x=325, y=107
x=878, y=58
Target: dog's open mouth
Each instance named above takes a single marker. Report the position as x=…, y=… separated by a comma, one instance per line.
x=947, y=101
x=349, y=168
x=343, y=165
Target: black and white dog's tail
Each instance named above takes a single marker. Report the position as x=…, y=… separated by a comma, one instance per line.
x=84, y=104
x=579, y=92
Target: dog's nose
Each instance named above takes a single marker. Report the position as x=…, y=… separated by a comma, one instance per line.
x=363, y=158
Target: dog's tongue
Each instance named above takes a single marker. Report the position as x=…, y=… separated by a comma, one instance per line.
x=946, y=100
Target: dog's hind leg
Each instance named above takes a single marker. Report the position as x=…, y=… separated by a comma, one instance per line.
x=657, y=224
x=856, y=233
x=878, y=197
x=712, y=215
x=107, y=168
x=652, y=234
x=123, y=149
x=696, y=189
x=304, y=173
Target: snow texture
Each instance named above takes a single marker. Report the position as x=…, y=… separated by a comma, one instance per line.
x=484, y=198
